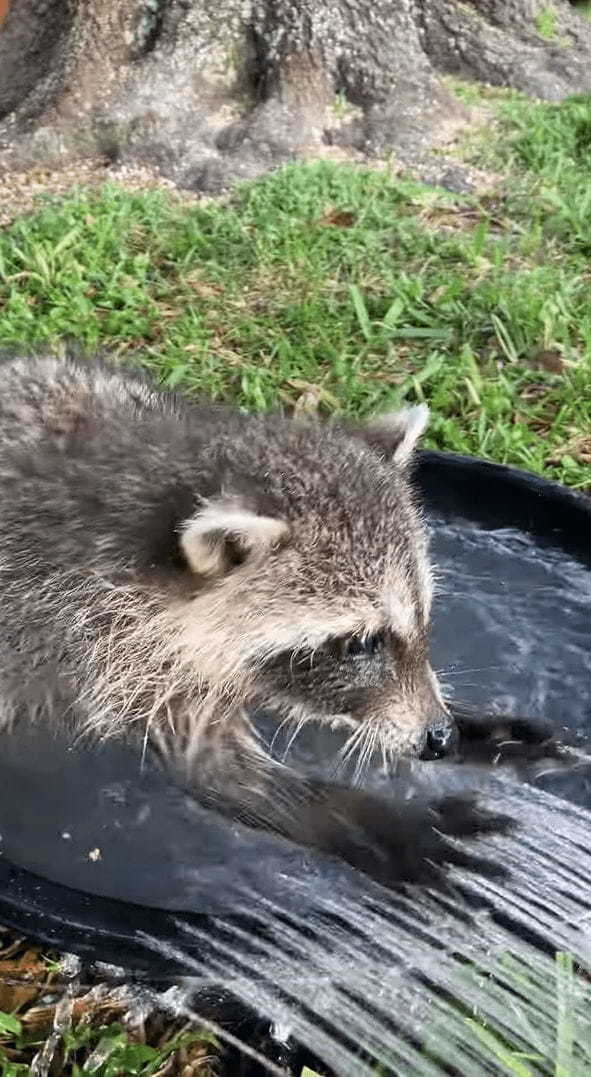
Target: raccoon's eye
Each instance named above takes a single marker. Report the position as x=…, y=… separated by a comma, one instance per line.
x=363, y=646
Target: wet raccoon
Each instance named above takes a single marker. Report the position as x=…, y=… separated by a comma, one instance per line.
x=166, y=566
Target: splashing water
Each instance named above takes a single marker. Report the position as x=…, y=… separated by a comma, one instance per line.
x=412, y=982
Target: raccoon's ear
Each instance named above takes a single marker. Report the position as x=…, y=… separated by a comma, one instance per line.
x=224, y=533
x=395, y=434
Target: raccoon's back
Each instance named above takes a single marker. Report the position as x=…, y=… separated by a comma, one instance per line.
x=94, y=466
x=90, y=494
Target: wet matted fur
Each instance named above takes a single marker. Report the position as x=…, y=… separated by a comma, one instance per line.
x=165, y=566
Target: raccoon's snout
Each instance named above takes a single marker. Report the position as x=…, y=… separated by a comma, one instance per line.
x=441, y=739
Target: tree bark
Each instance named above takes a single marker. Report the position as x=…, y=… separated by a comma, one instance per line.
x=207, y=91
x=505, y=43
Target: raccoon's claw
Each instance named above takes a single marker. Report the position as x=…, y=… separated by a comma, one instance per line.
x=461, y=817
x=497, y=739
x=407, y=842
x=451, y=817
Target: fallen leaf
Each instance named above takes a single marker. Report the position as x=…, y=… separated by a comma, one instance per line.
x=20, y=978
x=549, y=359
x=527, y=393
x=203, y=289
x=333, y=217
x=437, y=294
x=458, y=218
x=578, y=447
x=311, y=397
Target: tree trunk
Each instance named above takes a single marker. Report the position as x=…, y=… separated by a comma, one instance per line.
x=211, y=90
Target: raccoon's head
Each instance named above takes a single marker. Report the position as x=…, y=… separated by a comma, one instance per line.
x=313, y=589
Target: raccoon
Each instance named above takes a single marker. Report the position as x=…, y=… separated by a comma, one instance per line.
x=166, y=566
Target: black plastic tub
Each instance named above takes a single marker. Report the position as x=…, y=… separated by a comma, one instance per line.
x=102, y=857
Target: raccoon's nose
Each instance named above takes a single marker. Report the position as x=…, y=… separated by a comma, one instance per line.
x=441, y=740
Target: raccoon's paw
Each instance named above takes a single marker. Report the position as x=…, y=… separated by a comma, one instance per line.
x=407, y=842
x=496, y=739
x=424, y=838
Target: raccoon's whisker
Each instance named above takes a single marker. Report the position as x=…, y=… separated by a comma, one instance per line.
x=462, y=672
x=359, y=759
x=299, y=725
x=366, y=751
x=252, y=729
x=350, y=744
x=313, y=654
x=145, y=743
x=353, y=743
x=462, y=684
x=285, y=721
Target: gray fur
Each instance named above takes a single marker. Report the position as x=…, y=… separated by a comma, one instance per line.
x=164, y=566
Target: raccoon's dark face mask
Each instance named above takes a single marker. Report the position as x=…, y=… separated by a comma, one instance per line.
x=380, y=687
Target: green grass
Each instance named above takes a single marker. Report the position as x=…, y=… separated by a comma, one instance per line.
x=344, y=288
x=527, y=1015
x=546, y=22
